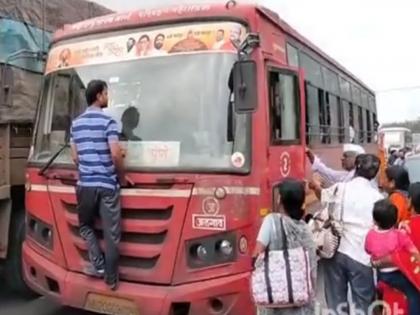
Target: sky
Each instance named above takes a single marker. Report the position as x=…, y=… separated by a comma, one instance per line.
x=377, y=40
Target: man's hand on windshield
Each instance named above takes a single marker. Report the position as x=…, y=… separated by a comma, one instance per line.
x=310, y=155
x=126, y=181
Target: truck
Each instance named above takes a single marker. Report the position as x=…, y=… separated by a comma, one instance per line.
x=216, y=104
x=397, y=138
x=26, y=29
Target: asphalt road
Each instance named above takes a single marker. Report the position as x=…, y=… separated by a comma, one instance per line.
x=11, y=304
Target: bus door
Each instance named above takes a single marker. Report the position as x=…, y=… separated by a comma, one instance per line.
x=285, y=98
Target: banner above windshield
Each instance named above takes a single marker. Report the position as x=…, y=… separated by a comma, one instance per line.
x=220, y=37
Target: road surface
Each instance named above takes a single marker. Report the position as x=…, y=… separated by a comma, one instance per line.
x=11, y=304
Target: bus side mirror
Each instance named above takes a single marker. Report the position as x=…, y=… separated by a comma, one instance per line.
x=245, y=86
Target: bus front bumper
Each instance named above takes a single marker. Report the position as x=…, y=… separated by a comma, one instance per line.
x=227, y=295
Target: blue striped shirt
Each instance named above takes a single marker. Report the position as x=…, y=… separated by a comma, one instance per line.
x=91, y=133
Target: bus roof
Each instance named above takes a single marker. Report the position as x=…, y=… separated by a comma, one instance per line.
x=190, y=12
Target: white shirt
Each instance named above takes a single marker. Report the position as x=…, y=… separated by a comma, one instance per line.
x=358, y=201
x=332, y=176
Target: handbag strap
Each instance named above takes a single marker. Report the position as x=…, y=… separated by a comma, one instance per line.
x=284, y=236
x=267, y=276
x=343, y=194
x=287, y=263
x=274, y=243
x=285, y=251
x=276, y=233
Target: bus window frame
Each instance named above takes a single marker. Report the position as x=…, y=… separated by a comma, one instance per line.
x=298, y=92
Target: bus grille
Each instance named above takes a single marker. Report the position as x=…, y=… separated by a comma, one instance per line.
x=138, y=250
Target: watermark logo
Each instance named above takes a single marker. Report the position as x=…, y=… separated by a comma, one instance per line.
x=343, y=309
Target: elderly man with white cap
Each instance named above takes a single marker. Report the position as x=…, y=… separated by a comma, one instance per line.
x=348, y=161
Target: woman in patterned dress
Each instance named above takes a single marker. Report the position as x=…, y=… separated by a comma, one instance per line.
x=289, y=200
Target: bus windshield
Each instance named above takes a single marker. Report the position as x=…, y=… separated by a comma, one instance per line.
x=175, y=112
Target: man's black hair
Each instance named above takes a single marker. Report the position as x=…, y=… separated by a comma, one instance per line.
x=292, y=194
x=385, y=214
x=400, y=176
x=94, y=88
x=144, y=37
x=160, y=35
x=367, y=166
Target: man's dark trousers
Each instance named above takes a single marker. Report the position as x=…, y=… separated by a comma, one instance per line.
x=105, y=203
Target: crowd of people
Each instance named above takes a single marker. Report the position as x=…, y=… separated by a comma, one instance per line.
x=373, y=222
x=397, y=157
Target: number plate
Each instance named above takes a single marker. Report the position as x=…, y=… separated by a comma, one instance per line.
x=110, y=305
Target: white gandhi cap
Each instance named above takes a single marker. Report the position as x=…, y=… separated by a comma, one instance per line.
x=349, y=147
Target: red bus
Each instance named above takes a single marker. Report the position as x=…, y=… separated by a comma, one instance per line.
x=216, y=104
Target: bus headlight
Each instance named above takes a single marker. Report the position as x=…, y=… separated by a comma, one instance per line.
x=202, y=252
x=212, y=250
x=40, y=232
x=225, y=247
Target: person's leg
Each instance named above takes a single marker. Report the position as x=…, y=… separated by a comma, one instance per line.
x=87, y=207
x=398, y=281
x=362, y=285
x=110, y=210
x=320, y=286
x=336, y=283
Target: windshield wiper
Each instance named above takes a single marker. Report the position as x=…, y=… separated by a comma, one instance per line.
x=231, y=123
x=52, y=160
x=231, y=111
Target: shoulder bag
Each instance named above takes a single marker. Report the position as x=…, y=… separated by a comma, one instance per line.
x=281, y=278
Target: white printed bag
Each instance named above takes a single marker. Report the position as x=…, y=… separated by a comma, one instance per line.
x=326, y=229
x=281, y=278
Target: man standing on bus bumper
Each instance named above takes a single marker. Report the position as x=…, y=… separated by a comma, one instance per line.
x=96, y=151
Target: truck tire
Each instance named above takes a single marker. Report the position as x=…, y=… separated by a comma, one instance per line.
x=13, y=271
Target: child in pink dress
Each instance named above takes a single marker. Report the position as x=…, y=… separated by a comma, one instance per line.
x=383, y=241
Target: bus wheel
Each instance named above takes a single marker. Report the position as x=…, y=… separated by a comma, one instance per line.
x=13, y=271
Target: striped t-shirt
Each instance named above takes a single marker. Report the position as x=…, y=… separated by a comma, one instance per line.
x=92, y=132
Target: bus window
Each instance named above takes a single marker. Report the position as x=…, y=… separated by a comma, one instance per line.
x=312, y=69
x=369, y=127
x=336, y=121
x=292, y=56
x=361, y=129
x=345, y=90
x=356, y=121
x=324, y=116
x=352, y=125
x=284, y=107
x=356, y=94
x=312, y=114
